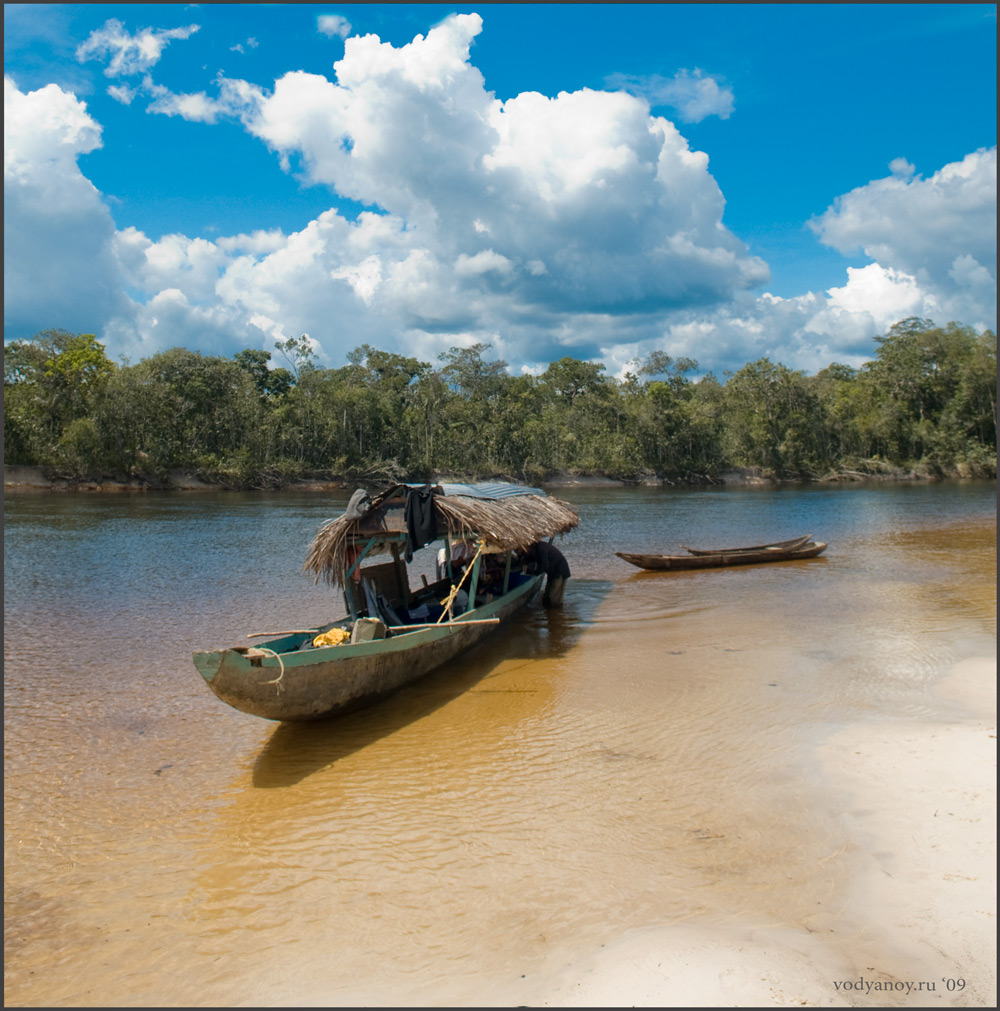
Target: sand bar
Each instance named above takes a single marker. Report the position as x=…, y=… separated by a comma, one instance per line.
x=918, y=805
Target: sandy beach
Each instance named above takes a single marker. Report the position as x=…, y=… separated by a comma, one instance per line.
x=917, y=926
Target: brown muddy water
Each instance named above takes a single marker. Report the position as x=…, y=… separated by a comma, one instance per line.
x=642, y=757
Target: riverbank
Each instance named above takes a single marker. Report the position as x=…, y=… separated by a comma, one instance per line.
x=917, y=928
x=20, y=478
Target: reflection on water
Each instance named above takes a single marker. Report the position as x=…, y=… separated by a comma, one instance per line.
x=642, y=756
x=293, y=751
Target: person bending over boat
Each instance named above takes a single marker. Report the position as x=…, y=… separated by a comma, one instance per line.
x=547, y=558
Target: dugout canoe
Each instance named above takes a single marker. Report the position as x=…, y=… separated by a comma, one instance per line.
x=721, y=559
x=795, y=542
x=391, y=635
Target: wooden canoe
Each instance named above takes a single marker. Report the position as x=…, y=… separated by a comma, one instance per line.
x=391, y=635
x=722, y=559
x=795, y=542
x=285, y=679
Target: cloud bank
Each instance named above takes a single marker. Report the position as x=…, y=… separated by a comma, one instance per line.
x=941, y=231
x=59, y=236
x=577, y=224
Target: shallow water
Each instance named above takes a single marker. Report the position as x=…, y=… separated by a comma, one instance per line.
x=642, y=756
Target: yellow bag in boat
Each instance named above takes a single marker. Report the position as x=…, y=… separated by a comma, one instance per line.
x=332, y=638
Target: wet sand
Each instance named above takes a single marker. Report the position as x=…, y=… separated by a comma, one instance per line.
x=917, y=803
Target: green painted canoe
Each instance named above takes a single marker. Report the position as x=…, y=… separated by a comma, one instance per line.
x=279, y=680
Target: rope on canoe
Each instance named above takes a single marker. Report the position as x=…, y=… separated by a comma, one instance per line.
x=264, y=651
x=449, y=601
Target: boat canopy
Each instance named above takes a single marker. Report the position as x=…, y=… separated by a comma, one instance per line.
x=492, y=490
x=407, y=516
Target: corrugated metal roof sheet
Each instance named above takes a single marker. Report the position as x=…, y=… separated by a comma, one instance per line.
x=488, y=490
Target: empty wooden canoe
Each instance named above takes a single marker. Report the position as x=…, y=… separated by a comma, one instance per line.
x=795, y=542
x=721, y=559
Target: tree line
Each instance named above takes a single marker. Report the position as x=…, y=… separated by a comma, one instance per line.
x=926, y=403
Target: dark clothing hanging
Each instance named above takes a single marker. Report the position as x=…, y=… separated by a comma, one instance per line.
x=421, y=524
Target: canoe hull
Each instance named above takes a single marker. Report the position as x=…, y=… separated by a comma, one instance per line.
x=661, y=563
x=316, y=684
x=795, y=542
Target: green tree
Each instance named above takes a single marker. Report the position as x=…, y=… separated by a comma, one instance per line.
x=468, y=372
x=298, y=352
x=270, y=382
x=570, y=378
x=771, y=419
x=50, y=382
x=927, y=400
x=209, y=408
x=704, y=427
x=658, y=415
x=930, y=390
x=468, y=437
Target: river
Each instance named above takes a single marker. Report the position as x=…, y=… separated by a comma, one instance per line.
x=644, y=756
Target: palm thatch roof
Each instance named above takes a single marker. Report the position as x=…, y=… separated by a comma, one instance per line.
x=511, y=519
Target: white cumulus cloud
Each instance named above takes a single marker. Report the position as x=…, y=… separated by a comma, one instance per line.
x=482, y=262
x=129, y=54
x=941, y=231
x=588, y=202
x=59, y=263
x=809, y=331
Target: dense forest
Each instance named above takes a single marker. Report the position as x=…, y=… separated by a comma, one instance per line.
x=926, y=405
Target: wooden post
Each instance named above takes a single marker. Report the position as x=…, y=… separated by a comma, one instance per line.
x=474, y=583
x=447, y=560
x=402, y=578
x=348, y=589
x=352, y=609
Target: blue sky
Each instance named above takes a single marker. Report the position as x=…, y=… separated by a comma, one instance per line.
x=723, y=182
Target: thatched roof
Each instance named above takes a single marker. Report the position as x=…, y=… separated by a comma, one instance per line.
x=509, y=519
